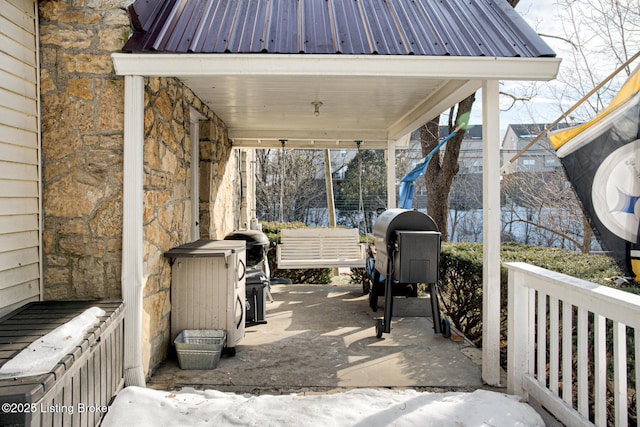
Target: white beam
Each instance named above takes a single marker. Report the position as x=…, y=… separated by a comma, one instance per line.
x=491, y=233
x=194, y=135
x=452, y=92
x=132, y=233
x=391, y=175
x=292, y=134
x=437, y=67
x=306, y=144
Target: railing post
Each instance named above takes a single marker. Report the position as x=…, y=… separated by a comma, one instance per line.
x=517, y=333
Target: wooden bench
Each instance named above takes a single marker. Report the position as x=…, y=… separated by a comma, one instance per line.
x=320, y=248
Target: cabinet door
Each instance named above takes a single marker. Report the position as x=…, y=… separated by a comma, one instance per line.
x=237, y=308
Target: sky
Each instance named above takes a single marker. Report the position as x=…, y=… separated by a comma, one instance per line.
x=542, y=16
x=135, y=406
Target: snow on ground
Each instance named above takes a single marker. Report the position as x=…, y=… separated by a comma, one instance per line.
x=42, y=355
x=137, y=406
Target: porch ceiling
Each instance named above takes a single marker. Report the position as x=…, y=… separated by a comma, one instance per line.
x=263, y=98
x=381, y=68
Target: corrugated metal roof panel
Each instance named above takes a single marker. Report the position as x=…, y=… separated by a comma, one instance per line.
x=318, y=37
x=283, y=32
x=386, y=27
x=349, y=31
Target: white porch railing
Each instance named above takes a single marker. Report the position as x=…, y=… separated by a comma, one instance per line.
x=559, y=352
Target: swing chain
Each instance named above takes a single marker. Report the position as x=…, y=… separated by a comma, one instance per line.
x=282, y=172
x=361, y=201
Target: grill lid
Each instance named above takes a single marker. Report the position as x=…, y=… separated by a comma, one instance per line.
x=384, y=232
x=400, y=219
x=252, y=237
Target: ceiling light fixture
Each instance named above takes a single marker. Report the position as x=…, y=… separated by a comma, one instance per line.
x=316, y=105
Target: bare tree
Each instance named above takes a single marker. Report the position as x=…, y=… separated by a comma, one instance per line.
x=599, y=35
x=293, y=176
x=546, y=210
x=443, y=167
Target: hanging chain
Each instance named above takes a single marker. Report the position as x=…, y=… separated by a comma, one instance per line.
x=361, y=201
x=282, y=172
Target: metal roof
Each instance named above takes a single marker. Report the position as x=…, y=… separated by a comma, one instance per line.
x=376, y=69
x=531, y=130
x=386, y=27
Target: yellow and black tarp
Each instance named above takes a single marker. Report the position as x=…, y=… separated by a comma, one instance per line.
x=602, y=161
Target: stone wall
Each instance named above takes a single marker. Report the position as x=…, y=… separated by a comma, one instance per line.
x=167, y=205
x=82, y=127
x=82, y=144
x=219, y=214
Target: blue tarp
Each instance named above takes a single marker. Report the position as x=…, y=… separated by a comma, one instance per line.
x=407, y=185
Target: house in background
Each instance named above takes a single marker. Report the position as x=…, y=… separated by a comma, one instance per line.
x=540, y=157
x=467, y=185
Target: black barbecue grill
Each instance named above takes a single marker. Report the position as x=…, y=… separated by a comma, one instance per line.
x=258, y=273
x=407, y=252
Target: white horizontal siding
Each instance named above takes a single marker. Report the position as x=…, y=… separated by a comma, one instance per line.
x=24, y=6
x=11, y=117
x=16, y=84
x=20, y=234
x=18, y=102
x=19, y=12
x=17, y=223
x=19, y=154
x=19, y=275
x=16, y=49
x=16, y=188
x=17, y=258
x=17, y=33
x=24, y=239
x=18, y=136
x=17, y=171
x=18, y=206
x=16, y=67
x=19, y=293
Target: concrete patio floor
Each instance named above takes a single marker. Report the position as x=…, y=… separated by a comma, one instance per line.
x=320, y=338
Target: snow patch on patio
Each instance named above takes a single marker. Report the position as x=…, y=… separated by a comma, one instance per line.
x=358, y=407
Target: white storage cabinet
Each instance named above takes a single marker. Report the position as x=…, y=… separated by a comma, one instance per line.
x=208, y=288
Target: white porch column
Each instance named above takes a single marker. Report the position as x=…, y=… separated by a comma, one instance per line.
x=391, y=174
x=194, y=135
x=328, y=182
x=491, y=233
x=132, y=236
x=248, y=157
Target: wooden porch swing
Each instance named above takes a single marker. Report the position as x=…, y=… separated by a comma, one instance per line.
x=325, y=247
